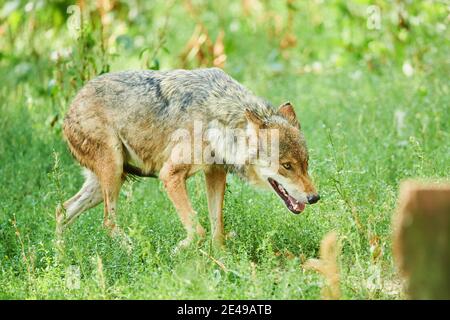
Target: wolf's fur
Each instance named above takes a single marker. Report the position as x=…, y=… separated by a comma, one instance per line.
x=121, y=123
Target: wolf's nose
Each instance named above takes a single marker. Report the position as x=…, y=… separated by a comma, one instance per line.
x=313, y=198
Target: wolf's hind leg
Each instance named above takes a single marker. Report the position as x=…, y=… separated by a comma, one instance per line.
x=88, y=197
x=96, y=146
x=215, y=179
x=110, y=175
x=174, y=179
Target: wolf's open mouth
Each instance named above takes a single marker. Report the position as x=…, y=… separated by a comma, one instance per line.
x=292, y=204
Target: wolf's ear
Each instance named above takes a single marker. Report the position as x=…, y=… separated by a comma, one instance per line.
x=254, y=119
x=287, y=111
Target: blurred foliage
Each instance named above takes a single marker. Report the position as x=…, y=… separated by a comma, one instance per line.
x=65, y=43
x=292, y=34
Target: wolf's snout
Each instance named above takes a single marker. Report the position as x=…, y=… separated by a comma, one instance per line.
x=313, y=198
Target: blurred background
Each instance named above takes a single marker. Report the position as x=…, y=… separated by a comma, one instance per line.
x=246, y=37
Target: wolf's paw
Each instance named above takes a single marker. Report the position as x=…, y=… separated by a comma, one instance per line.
x=218, y=242
x=183, y=244
x=219, y=239
x=59, y=228
x=60, y=215
x=200, y=232
x=195, y=239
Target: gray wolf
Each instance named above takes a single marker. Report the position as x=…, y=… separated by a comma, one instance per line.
x=121, y=124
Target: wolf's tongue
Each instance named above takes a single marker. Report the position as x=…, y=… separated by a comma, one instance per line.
x=298, y=206
x=292, y=204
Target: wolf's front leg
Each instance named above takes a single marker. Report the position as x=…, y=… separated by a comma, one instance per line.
x=174, y=179
x=215, y=179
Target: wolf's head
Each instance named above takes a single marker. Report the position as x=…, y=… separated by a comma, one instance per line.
x=288, y=177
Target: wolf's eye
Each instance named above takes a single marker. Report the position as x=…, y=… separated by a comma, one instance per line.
x=287, y=166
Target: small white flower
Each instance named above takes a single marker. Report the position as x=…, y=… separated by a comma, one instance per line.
x=29, y=6
x=408, y=69
x=356, y=75
x=54, y=55
x=235, y=26
x=317, y=67
x=139, y=41
x=440, y=27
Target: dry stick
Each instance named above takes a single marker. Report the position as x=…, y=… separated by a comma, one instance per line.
x=100, y=275
x=220, y=264
x=26, y=260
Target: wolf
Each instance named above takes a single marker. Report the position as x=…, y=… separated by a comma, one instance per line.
x=121, y=124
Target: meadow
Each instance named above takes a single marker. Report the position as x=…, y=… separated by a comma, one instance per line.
x=370, y=87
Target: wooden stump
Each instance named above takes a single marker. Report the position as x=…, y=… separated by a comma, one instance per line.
x=422, y=239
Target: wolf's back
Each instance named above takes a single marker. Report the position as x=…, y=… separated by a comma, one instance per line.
x=174, y=92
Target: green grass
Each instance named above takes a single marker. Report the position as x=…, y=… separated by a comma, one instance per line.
x=358, y=157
